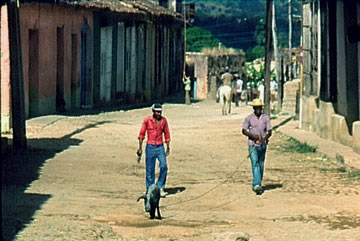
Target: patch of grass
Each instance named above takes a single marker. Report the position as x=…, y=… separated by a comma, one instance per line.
x=354, y=175
x=275, y=112
x=339, y=169
x=299, y=147
x=350, y=174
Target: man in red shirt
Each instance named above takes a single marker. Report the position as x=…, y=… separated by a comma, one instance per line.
x=155, y=126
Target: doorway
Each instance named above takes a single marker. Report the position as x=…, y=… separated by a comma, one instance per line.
x=60, y=100
x=74, y=54
x=33, y=72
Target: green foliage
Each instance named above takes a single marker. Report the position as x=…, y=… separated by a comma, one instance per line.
x=351, y=174
x=299, y=147
x=240, y=23
x=253, y=74
x=198, y=38
x=260, y=32
x=255, y=53
x=354, y=175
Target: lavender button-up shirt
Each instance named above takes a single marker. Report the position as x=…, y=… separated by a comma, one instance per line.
x=258, y=126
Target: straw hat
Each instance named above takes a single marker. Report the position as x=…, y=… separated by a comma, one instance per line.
x=257, y=102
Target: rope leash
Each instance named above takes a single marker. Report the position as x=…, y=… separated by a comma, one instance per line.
x=217, y=186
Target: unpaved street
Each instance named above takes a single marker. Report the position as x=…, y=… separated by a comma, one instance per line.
x=80, y=181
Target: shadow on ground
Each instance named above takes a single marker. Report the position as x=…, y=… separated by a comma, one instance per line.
x=269, y=187
x=19, y=170
x=174, y=190
x=118, y=106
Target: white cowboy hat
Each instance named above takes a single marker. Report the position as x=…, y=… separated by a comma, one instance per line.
x=156, y=107
x=257, y=102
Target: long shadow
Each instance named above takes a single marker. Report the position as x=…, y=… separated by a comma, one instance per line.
x=115, y=106
x=19, y=170
x=269, y=187
x=174, y=190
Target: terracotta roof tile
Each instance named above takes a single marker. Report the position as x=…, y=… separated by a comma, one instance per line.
x=128, y=7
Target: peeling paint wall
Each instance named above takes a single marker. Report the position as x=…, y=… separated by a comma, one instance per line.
x=66, y=61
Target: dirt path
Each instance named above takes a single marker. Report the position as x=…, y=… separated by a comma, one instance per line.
x=80, y=181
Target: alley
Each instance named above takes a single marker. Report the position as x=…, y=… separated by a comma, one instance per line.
x=80, y=181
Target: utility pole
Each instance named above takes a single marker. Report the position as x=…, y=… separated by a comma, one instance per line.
x=184, y=10
x=269, y=4
x=276, y=49
x=290, y=39
x=16, y=78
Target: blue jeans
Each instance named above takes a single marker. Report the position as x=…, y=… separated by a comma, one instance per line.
x=152, y=153
x=257, y=158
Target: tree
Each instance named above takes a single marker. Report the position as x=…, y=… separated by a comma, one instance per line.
x=260, y=32
x=198, y=38
x=255, y=53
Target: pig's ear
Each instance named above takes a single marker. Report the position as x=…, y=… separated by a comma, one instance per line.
x=141, y=197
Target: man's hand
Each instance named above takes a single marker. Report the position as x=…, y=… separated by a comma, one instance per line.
x=167, y=151
x=260, y=140
x=139, y=152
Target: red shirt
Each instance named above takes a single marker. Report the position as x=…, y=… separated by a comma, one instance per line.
x=154, y=134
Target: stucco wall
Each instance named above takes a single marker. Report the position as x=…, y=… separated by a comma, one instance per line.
x=201, y=74
x=46, y=19
x=5, y=72
x=208, y=69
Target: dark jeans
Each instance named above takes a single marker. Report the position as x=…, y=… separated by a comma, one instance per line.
x=152, y=153
x=257, y=158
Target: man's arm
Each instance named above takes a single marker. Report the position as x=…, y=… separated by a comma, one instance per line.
x=139, y=151
x=167, y=148
x=141, y=137
x=167, y=137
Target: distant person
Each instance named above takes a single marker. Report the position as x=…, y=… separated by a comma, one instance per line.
x=293, y=62
x=238, y=89
x=261, y=89
x=155, y=126
x=273, y=90
x=225, y=79
x=257, y=128
x=187, y=83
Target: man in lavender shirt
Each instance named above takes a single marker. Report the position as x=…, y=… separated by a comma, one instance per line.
x=257, y=128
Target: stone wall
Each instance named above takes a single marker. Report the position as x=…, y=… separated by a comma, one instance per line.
x=322, y=120
x=289, y=105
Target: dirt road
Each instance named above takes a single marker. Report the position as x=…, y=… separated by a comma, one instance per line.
x=80, y=181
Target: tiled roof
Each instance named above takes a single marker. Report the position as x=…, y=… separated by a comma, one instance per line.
x=127, y=7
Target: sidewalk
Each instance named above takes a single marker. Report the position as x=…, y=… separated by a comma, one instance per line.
x=342, y=153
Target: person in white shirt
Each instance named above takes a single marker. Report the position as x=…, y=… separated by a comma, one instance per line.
x=238, y=90
x=261, y=90
x=273, y=90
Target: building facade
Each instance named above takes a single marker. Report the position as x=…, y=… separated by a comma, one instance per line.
x=331, y=70
x=89, y=53
x=206, y=69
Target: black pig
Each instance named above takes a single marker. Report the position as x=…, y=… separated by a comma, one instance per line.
x=152, y=200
